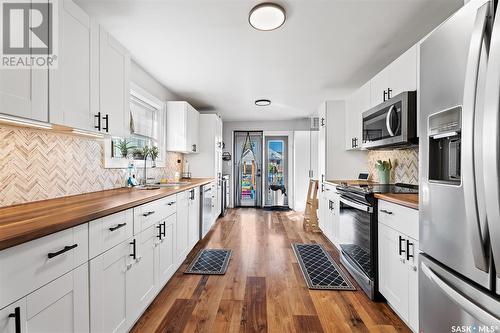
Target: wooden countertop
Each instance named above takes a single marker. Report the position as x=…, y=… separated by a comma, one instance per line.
x=26, y=222
x=403, y=199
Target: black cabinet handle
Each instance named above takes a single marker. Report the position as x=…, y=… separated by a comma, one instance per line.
x=163, y=231
x=134, y=254
x=171, y=203
x=352, y=142
x=386, y=211
x=389, y=91
x=193, y=148
x=148, y=213
x=355, y=142
x=66, y=249
x=105, y=128
x=401, y=250
x=408, y=255
x=322, y=121
x=98, y=116
x=118, y=226
x=159, y=231
x=192, y=194
x=385, y=96
x=17, y=316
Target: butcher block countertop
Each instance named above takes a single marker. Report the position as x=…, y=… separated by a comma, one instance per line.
x=403, y=199
x=26, y=222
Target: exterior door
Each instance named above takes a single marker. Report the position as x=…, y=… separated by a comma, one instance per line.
x=276, y=170
x=248, y=168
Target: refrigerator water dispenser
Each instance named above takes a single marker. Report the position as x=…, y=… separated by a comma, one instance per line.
x=445, y=146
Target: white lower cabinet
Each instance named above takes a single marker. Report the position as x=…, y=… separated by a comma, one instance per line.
x=142, y=275
x=50, y=285
x=60, y=306
x=182, y=234
x=194, y=217
x=328, y=213
x=165, y=250
x=398, y=262
x=109, y=285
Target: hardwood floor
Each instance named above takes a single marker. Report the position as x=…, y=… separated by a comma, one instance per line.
x=263, y=289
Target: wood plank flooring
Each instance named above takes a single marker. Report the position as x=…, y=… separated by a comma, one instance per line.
x=263, y=289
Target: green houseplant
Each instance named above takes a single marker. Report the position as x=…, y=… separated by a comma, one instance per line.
x=384, y=171
x=125, y=146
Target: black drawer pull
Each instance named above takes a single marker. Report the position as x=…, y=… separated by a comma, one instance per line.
x=401, y=251
x=66, y=249
x=118, y=226
x=134, y=254
x=17, y=316
x=386, y=211
x=408, y=255
x=171, y=203
x=148, y=213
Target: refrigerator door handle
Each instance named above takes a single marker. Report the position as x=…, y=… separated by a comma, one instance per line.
x=471, y=308
x=468, y=114
x=491, y=143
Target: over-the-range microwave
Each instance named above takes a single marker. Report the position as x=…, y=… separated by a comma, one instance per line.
x=391, y=123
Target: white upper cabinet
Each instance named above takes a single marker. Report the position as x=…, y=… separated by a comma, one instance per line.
x=110, y=84
x=182, y=127
x=356, y=104
x=403, y=72
x=24, y=93
x=399, y=76
x=69, y=88
x=378, y=86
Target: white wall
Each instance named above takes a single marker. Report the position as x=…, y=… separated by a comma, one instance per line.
x=230, y=126
x=147, y=82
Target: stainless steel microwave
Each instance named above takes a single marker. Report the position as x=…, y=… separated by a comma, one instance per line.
x=392, y=123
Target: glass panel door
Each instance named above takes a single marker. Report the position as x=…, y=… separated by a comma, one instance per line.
x=276, y=181
x=247, y=168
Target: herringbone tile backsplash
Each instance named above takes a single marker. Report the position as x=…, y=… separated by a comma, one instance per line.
x=37, y=165
x=404, y=162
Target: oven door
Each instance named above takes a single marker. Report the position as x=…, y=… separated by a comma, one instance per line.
x=355, y=233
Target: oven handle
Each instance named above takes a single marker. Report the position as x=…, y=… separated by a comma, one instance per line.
x=356, y=205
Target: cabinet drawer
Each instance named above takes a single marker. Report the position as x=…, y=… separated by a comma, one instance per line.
x=400, y=218
x=29, y=266
x=148, y=214
x=110, y=231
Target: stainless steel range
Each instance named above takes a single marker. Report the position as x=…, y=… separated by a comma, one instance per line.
x=358, y=230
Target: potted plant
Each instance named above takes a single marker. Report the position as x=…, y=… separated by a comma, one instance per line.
x=384, y=171
x=138, y=154
x=125, y=146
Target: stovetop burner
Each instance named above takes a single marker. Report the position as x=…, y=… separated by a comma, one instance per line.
x=381, y=188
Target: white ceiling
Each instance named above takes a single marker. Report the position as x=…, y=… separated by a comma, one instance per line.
x=206, y=52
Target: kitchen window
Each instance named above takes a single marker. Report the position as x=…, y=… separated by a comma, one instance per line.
x=147, y=129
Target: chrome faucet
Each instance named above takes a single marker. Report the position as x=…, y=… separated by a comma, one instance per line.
x=144, y=180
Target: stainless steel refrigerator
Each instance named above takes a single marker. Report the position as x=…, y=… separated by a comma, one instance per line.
x=459, y=271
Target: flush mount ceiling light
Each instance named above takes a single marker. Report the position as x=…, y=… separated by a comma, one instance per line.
x=262, y=102
x=267, y=16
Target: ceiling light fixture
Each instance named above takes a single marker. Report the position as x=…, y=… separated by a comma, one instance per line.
x=262, y=102
x=267, y=16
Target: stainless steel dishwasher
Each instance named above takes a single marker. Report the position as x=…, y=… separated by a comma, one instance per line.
x=206, y=210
